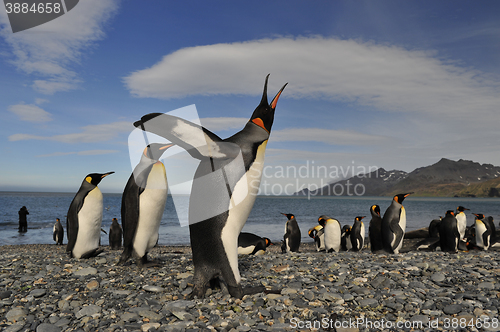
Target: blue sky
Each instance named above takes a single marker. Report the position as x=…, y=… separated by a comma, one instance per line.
x=393, y=84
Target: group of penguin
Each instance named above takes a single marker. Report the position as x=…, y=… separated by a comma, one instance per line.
x=221, y=197
x=143, y=202
x=386, y=233
x=452, y=234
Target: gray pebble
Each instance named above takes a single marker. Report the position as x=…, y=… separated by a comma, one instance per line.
x=15, y=314
x=47, y=328
x=85, y=271
x=38, y=292
x=452, y=309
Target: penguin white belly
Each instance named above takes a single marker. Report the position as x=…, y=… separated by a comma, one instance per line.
x=89, y=223
x=332, y=236
x=151, y=206
x=461, y=224
x=242, y=200
x=480, y=229
x=402, y=224
x=321, y=242
x=361, y=245
x=245, y=250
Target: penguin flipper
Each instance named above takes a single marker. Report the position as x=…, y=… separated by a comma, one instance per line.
x=198, y=141
x=72, y=222
x=397, y=231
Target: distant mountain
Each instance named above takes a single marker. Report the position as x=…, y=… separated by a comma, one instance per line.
x=445, y=178
x=371, y=184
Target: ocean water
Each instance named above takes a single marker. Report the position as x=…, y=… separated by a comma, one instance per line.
x=264, y=220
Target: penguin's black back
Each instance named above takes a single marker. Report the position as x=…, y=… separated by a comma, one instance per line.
x=72, y=216
x=448, y=233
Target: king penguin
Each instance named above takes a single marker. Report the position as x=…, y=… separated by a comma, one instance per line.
x=345, y=238
x=332, y=233
x=58, y=232
x=394, y=224
x=483, y=232
x=318, y=234
x=251, y=244
x=449, y=235
x=291, y=239
x=375, y=229
x=461, y=221
x=224, y=188
x=115, y=235
x=143, y=203
x=358, y=234
x=85, y=217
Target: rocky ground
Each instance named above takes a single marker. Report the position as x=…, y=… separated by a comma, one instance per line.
x=43, y=290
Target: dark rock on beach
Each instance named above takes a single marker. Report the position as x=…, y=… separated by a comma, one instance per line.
x=41, y=289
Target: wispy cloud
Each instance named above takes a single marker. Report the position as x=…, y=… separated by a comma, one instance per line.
x=329, y=136
x=49, y=51
x=90, y=134
x=389, y=78
x=30, y=113
x=81, y=153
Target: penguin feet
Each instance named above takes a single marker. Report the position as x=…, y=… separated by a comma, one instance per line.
x=144, y=263
x=92, y=253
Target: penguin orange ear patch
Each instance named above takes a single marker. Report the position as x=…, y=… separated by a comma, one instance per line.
x=260, y=123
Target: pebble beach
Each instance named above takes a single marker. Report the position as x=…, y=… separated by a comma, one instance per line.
x=43, y=290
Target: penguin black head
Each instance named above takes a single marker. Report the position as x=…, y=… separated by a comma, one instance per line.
x=268, y=242
x=95, y=178
x=376, y=209
x=450, y=213
x=322, y=220
x=479, y=216
x=358, y=218
x=400, y=197
x=263, y=116
x=346, y=229
x=57, y=219
x=289, y=216
x=462, y=209
x=155, y=150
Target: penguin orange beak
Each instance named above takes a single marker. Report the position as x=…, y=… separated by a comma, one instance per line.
x=408, y=194
x=275, y=99
x=106, y=174
x=166, y=146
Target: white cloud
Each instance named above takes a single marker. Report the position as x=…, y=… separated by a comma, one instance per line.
x=50, y=50
x=30, y=112
x=329, y=136
x=389, y=78
x=81, y=153
x=90, y=134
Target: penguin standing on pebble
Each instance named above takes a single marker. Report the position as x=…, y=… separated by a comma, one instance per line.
x=115, y=235
x=358, y=234
x=394, y=224
x=345, y=238
x=143, y=204
x=85, y=217
x=332, y=233
x=224, y=188
x=58, y=232
x=291, y=239
x=483, y=232
x=449, y=235
x=461, y=221
x=375, y=229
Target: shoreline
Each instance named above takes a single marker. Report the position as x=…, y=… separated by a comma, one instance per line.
x=41, y=289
